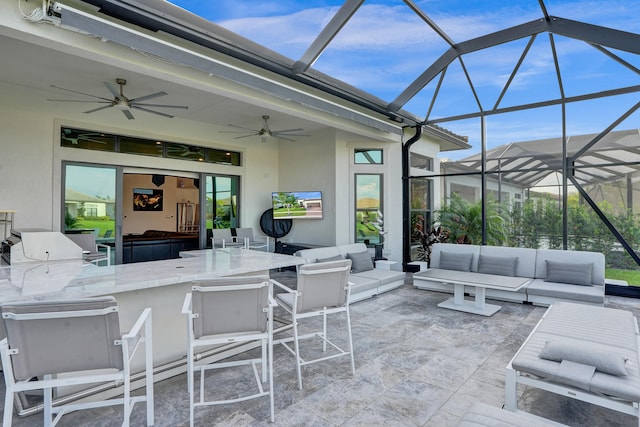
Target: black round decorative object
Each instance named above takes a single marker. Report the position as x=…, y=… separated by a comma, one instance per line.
x=275, y=228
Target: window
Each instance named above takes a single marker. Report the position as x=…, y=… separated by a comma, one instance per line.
x=419, y=161
x=421, y=215
x=366, y=156
x=92, y=140
x=368, y=208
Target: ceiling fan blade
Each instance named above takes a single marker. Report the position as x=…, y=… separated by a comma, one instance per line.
x=237, y=131
x=288, y=130
x=80, y=93
x=283, y=138
x=246, y=136
x=114, y=91
x=98, y=109
x=137, y=107
x=151, y=96
x=184, y=107
x=128, y=114
x=240, y=127
x=280, y=134
x=78, y=100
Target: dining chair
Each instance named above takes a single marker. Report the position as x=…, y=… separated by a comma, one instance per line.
x=252, y=241
x=223, y=238
x=90, y=249
x=229, y=311
x=323, y=289
x=54, y=344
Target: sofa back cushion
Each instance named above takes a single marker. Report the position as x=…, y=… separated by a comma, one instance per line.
x=526, y=265
x=500, y=265
x=575, y=257
x=455, y=261
x=312, y=255
x=453, y=248
x=569, y=272
x=360, y=261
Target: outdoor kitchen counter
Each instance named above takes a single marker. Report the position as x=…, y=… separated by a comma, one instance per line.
x=160, y=285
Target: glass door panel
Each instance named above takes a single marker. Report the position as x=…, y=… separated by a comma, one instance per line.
x=221, y=204
x=89, y=194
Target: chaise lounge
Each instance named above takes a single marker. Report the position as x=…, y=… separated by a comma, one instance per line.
x=583, y=352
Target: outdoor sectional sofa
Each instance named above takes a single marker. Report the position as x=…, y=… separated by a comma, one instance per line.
x=366, y=279
x=556, y=275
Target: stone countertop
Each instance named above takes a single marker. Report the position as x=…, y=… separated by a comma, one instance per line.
x=75, y=279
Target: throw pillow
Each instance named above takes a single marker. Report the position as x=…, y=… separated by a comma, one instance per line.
x=331, y=258
x=455, y=261
x=360, y=261
x=566, y=272
x=502, y=266
x=585, y=353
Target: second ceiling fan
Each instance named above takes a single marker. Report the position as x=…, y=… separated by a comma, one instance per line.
x=265, y=132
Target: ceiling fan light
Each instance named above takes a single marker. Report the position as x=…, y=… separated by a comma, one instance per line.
x=122, y=104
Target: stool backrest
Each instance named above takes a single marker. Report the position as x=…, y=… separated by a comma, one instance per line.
x=63, y=336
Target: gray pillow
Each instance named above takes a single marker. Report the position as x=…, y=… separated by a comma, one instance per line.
x=455, y=261
x=502, y=266
x=360, y=261
x=567, y=272
x=589, y=354
x=331, y=258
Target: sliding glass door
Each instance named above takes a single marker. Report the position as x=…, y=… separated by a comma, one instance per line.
x=91, y=203
x=221, y=203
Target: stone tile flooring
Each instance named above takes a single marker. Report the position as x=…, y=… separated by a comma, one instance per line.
x=416, y=365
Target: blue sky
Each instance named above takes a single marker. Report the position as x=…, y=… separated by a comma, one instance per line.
x=385, y=46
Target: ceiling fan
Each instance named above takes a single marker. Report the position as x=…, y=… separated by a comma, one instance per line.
x=265, y=132
x=120, y=101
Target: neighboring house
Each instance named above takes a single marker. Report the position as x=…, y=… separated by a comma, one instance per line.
x=530, y=169
x=91, y=206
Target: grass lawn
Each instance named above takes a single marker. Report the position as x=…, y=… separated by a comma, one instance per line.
x=101, y=225
x=632, y=277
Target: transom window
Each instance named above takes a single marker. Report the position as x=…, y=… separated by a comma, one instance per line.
x=367, y=156
x=100, y=141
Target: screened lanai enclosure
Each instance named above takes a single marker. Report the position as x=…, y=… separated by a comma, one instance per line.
x=544, y=92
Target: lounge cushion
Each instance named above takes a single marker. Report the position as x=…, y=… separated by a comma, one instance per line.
x=591, y=354
x=455, y=261
x=502, y=266
x=566, y=272
x=360, y=261
x=331, y=258
x=565, y=291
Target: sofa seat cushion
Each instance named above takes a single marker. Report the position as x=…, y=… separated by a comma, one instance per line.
x=360, y=283
x=382, y=276
x=592, y=294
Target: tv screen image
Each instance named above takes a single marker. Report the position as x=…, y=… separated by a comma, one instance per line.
x=297, y=204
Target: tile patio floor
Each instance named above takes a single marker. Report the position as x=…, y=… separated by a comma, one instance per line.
x=416, y=365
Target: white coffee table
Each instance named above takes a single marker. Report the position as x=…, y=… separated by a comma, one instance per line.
x=481, y=282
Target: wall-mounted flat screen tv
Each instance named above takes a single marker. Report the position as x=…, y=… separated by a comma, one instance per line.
x=297, y=204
